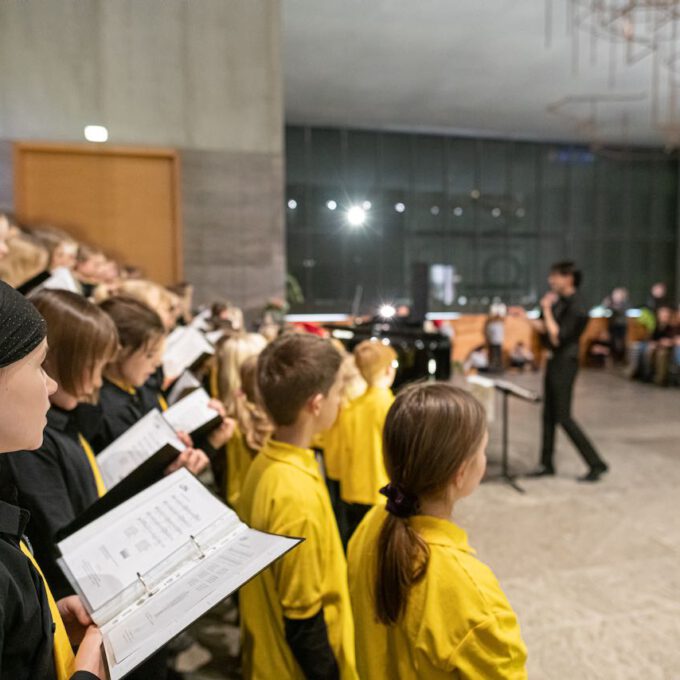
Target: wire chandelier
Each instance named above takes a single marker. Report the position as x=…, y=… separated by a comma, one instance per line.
x=629, y=32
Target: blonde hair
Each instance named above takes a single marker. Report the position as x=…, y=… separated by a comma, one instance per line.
x=372, y=358
x=26, y=258
x=252, y=420
x=353, y=384
x=231, y=354
x=160, y=299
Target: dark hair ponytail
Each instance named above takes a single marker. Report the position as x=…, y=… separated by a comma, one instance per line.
x=402, y=561
x=430, y=431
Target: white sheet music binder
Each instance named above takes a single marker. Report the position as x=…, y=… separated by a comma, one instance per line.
x=193, y=414
x=150, y=567
x=185, y=384
x=135, y=446
x=184, y=347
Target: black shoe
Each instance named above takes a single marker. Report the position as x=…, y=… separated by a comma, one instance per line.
x=541, y=471
x=594, y=474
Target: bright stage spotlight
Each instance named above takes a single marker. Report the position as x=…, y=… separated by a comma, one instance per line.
x=331, y=205
x=387, y=311
x=356, y=216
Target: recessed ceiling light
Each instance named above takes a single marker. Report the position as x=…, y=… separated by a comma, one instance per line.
x=96, y=133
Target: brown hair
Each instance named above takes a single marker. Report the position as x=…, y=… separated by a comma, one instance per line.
x=253, y=422
x=137, y=324
x=51, y=237
x=372, y=358
x=85, y=252
x=430, y=431
x=293, y=369
x=79, y=335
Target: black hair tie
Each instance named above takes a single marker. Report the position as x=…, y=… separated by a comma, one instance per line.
x=399, y=502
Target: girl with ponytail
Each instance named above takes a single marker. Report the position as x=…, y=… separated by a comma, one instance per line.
x=424, y=605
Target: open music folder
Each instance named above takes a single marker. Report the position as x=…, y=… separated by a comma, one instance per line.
x=192, y=414
x=150, y=442
x=185, y=384
x=184, y=348
x=150, y=567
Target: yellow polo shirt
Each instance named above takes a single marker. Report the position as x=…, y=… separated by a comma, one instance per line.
x=457, y=624
x=334, y=443
x=284, y=493
x=363, y=469
x=239, y=458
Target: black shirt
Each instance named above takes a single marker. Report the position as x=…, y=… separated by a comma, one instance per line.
x=664, y=332
x=26, y=628
x=55, y=484
x=117, y=411
x=572, y=317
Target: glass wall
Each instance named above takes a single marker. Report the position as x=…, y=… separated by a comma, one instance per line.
x=498, y=212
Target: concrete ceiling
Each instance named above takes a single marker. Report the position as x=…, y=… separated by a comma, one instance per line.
x=478, y=67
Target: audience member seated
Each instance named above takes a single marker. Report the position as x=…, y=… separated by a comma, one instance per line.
x=618, y=305
x=600, y=350
x=494, y=331
x=521, y=357
x=478, y=360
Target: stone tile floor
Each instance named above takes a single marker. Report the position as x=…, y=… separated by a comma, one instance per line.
x=593, y=571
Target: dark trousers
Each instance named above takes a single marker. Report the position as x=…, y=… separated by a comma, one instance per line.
x=496, y=358
x=559, y=386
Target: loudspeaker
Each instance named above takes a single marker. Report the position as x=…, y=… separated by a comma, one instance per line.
x=420, y=290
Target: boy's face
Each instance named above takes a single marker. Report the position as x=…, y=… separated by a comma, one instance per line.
x=330, y=406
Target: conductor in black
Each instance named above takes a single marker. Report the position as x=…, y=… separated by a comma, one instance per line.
x=564, y=317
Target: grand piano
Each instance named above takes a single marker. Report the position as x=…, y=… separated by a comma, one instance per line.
x=421, y=355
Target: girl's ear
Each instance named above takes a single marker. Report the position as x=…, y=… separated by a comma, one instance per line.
x=461, y=474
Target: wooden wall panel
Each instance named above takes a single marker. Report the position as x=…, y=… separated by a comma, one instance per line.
x=123, y=200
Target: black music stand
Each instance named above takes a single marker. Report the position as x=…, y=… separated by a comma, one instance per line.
x=508, y=389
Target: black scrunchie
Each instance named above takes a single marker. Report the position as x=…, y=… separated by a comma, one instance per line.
x=399, y=502
x=22, y=328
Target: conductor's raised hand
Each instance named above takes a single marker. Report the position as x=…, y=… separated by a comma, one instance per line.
x=548, y=300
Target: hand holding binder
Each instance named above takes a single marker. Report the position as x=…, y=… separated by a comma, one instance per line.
x=193, y=414
x=150, y=567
